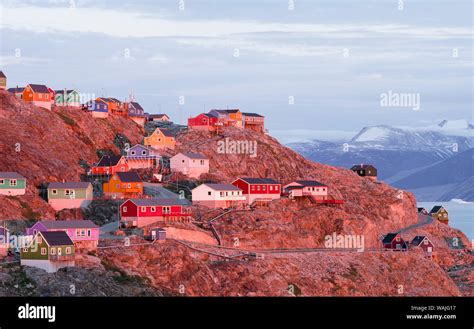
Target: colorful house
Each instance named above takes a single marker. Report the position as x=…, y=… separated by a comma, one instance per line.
x=394, y=241
x=18, y=91
x=12, y=183
x=84, y=233
x=365, y=170
x=422, y=242
x=3, y=81
x=67, y=98
x=254, y=121
x=422, y=211
x=191, y=164
x=70, y=195
x=98, y=108
x=218, y=196
x=109, y=165
x=311, y=188
x=143, y=212
x=115, y=106
x=49, y=251
x=228, y=117
x=440, y=214
x=124, y=184
x=203, y=121
x=258, y=189
x=158, y=117
x=141, y=156
x=161, y=138
x=38, y=95
x=136, y=113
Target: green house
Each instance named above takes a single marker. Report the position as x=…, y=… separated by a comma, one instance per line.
x=69, y=195
x=12, y=183
x=49, y=251
x=67, y=98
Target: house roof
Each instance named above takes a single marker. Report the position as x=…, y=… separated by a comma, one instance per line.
x=196, y=156
x=2, y=75
x=249, y=114
x=62, y=91
x=435, y=209
x=110, y=99
x=129, y=176
x=155, y=202
x=362, y=166
x=58, y=185
x=158, y=116
x=309, y=183
x=39, y=88
x=165, y=132
x=389, y=237
x=57, y=238
x=226, y=111
x=417, y=240
x=64, y=224
x=222, y=187
x=109, y=160
x=16, y=90
x=137, y=106
x=420, y=209
x=11, y=174
x=251, y=180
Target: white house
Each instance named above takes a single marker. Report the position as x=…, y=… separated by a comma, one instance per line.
x=312, y=188
x=218, y=196
x=190, y=164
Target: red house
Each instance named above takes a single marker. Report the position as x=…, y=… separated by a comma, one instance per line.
x=143, y=212
x=422, y=242
x=109, y=165
x=203, y=121
x=394, y=241
x=260, y=189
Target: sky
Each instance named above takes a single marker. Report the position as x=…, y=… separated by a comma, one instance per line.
x=314, y=69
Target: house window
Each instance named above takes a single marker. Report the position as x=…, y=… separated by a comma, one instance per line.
x=69, y=192
x=209, y=193
x=182, y=161
x=143, y=152
x=25, y=249
x=166, y=210
x=271, y=188
x=264, y=187
x=397, y=239
x=122, y=169
x=425, y=241
x=129, y=185
x=39, y=240
x=13, y=182
x=153, y=209
x=133, y=152
x=89, y=233
x=68, y=250
x=143, y=209
x=53, y=251
x=124, y=209
x=2, y=181
x=43, y=251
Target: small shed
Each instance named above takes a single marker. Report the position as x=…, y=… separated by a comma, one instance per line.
x=158, y=234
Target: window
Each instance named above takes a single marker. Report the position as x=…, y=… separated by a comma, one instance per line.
x=53, y=251
x=124, y=209
x=69, y=192
x=43, y=251
x=425, y=241
x=143, y=152
x=13, y=182
x=68, y=250
x=39, y=240
x=258, y=188
x=271, y=187
x=264, y=187
x=2, y=181
x=143, y=209
x=202, y=162
x=25, y=249
x=129, y=185
x=133, y=152
x=397, y=239
x=166, y=210
x=122, y=169
x=182, y=161
x=89, y=233
x=209, y=193
x=153, y=209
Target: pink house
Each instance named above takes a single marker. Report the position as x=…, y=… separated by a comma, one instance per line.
x=84, y=233
x=190, y=164
x=218, y=196
x=300, y=188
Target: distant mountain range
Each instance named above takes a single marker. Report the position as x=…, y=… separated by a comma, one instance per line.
x=434, y=162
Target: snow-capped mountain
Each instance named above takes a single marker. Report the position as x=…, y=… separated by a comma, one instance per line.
x=396, y=152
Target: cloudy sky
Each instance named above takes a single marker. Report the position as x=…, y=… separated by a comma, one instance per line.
x=313, y=68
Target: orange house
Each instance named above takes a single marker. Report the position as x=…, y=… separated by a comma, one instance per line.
x=38, y=95
x=124, y=184
x=115, y=106
x=160, y=139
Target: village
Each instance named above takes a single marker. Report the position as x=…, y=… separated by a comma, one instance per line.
x=147, y=206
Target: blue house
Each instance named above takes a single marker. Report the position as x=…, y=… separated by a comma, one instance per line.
x=98, y=108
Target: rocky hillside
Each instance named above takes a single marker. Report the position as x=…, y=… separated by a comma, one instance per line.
x=47, y=146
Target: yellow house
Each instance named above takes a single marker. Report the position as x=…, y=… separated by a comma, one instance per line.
x=161, y=138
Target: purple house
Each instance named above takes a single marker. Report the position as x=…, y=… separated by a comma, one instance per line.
x=84, y=233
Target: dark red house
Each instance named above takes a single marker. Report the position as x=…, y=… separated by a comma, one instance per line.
x=422, y=241
x=264, y=189
x=142, y=212
x=109, y=165
x=203, y=121
x=394, y=241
